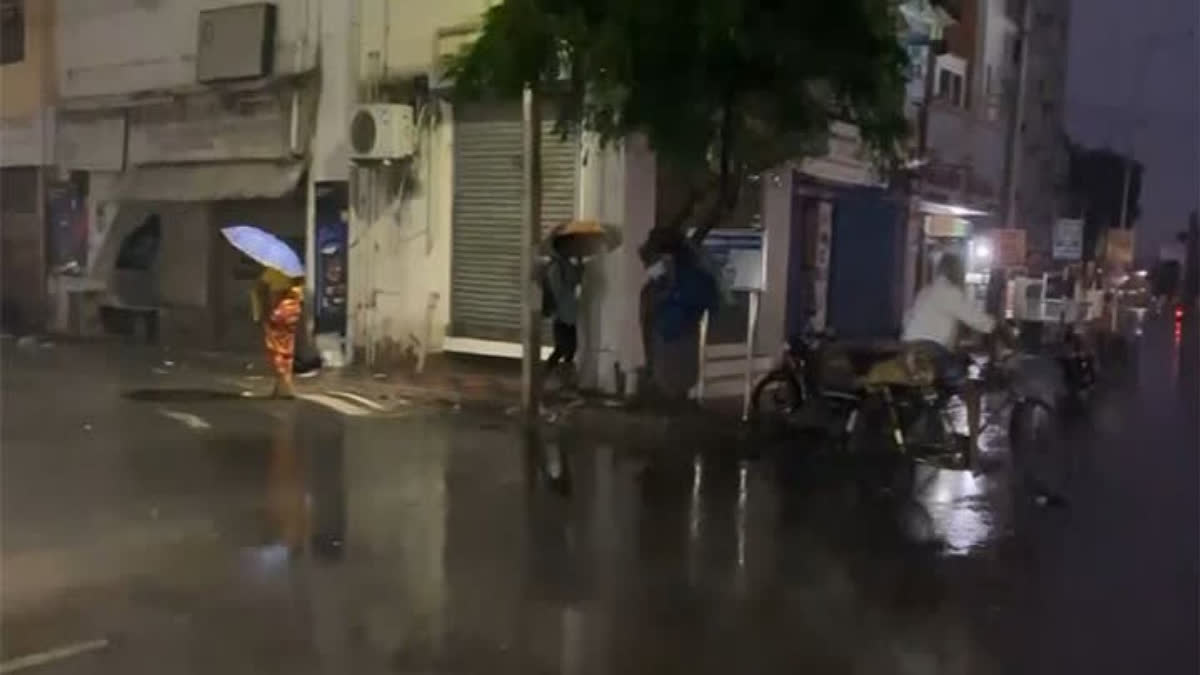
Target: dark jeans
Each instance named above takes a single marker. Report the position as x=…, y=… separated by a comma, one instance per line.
x=566, y=341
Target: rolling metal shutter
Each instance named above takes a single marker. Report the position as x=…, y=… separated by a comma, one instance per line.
x=485, y=296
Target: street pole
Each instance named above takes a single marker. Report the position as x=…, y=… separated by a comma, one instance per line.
x=531, y=235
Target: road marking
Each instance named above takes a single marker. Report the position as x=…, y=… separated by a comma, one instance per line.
x=337, y=404
x=52, y=655
x=361, y=400
x=195, y=422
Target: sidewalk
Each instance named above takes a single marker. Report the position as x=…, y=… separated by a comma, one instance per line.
x=491, y=386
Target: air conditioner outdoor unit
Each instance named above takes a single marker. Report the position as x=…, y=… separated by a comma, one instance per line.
x=382, y=131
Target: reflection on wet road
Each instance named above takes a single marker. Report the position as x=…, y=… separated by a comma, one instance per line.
x=284, y=538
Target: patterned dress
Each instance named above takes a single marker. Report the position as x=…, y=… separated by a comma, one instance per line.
x=280, y=330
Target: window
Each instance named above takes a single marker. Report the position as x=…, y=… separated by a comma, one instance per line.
x=12, y=31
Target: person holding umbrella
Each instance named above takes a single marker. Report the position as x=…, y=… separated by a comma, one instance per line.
x=560, y=302
x=570, y=243
x=277, y=300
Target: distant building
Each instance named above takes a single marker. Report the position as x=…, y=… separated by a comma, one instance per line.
x=1042, y=157
x=1095, y=188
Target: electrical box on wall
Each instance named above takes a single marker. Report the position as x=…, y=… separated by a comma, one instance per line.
x=236, y=43
x=382, y=131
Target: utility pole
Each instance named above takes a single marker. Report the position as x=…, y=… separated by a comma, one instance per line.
x=531, y=237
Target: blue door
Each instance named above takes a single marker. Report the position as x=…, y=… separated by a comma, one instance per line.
x=865, y=264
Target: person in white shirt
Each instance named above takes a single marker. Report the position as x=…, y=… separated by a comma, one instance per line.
x=933, y=321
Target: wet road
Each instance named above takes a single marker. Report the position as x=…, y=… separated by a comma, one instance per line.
x=235, y=536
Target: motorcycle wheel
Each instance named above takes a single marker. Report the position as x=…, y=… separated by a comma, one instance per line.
x=1044, y=467
x=775, y=398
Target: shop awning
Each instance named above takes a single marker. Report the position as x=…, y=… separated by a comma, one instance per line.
x=209, y=181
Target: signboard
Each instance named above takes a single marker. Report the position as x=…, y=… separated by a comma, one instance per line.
x=738, y=254
x=1008, y=246
x=1068, y=239
x=939, y=225
x=1118, y=248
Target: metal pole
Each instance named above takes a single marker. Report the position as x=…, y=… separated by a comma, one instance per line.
x=531, y=235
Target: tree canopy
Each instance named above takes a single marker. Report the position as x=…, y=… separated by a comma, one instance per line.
x=733, y=86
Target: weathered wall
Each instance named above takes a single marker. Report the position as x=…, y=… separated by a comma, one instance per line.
x=27, y=94
x=97, y=57
x=399, y=260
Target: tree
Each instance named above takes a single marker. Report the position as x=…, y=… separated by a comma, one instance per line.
x=720, y=88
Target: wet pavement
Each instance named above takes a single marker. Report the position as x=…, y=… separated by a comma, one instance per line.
x=213, y=534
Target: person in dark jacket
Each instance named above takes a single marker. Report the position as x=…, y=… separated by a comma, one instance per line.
x=561, y=278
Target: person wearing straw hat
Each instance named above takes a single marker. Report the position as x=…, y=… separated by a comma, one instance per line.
x=561, y=279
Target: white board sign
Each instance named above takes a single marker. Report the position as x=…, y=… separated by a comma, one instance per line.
x=1068, y=239
x=739, y=256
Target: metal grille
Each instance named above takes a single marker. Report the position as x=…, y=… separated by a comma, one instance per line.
x=485, y=295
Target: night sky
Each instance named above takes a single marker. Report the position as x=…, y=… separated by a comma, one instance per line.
x=1134, y=77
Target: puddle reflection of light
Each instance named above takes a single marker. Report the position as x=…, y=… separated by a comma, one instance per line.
x=960, y=518
x=741, y=516
x=694, y=505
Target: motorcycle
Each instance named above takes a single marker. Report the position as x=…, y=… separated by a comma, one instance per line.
x=801, y=390
x=923, y=418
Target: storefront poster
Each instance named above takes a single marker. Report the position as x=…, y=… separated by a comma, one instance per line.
x=331, y=249
x=67, y=219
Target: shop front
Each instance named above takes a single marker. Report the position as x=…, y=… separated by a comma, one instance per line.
x=193, y=167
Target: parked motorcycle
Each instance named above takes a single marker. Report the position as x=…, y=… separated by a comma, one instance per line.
x=802, y=391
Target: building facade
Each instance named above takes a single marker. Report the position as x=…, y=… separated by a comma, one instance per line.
x=1040, y=145
x=27, y=93
x=203, y=121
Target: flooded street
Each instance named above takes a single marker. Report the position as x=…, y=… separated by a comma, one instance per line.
x=198, y=534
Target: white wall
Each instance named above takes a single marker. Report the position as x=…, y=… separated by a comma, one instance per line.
x=117, y=47
x=400, y=261
x=399, y=264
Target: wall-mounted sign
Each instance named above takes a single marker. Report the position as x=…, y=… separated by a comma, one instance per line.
x=739, y=256
x=1008, y=247
x=1068, y=239
x=939, y=225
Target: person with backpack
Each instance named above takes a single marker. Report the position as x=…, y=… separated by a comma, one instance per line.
x=561, y=278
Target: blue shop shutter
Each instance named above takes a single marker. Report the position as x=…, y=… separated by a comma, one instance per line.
x=864, y=264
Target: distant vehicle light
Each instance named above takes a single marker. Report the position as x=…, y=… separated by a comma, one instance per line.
x=1142, y=273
